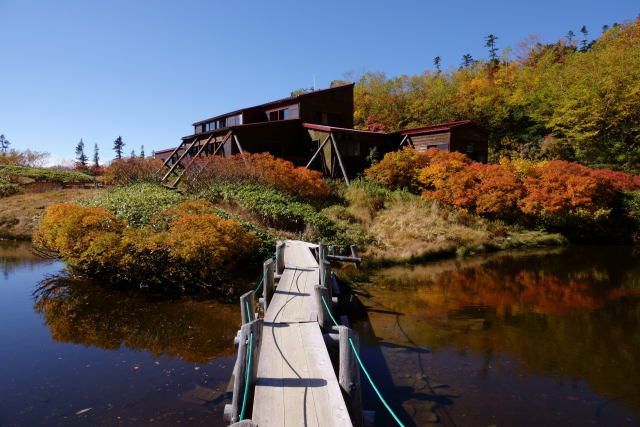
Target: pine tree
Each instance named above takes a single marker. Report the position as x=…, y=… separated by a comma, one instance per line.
x=490, y=43
x=133, y=153
x=584, y=42
x=467, y=61
x=570, y=36
x=436, y=63
x=4, y=144
x=605, y=28
x=81, y=158
x=118, y=144
x=142, y=152
x=96, y=156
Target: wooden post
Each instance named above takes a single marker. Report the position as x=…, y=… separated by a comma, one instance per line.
x=317, y=152
x=267, y=286
x=344, y=171
x=322, y=255
x=324, y=319
x=232, y=412
x=249, y=299
x=244, y=423
x=403, y=141
x=326, y=278
x=349, y=374
x=280, y=257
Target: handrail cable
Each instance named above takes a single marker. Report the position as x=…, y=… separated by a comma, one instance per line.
x=353, y=347
x=246, y=382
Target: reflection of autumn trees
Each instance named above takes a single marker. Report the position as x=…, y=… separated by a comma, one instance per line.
x=557, y=319
x=85, y=313
x=13, y=255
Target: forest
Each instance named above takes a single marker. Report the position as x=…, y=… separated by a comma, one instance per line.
x=574, y=100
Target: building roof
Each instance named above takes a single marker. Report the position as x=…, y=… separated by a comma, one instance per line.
x=278, y=101
x=339, y=130
x=441, y=127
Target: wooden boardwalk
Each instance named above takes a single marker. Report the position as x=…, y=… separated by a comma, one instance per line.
x=296, y=384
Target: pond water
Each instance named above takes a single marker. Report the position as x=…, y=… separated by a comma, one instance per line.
x=74, y=353
x=513, y=339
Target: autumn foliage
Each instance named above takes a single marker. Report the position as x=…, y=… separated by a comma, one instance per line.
x=262, y=168
x=185, y=245
x=551, y=191
x=134, y=169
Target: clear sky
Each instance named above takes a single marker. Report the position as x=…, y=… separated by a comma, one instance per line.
x=146, y=70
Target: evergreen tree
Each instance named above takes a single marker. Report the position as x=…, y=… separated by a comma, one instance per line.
x=605, y=28
x=570, y=36
x=490, y=43
x=96, y=156
x=467, y=61
x=436, y=63
x=4, y=143
x=584, y=43
x=118, y=144
x=142, y=152
x=81, y=158
x=133, y=153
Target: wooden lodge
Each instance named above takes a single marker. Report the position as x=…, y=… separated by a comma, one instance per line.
x=315, y=130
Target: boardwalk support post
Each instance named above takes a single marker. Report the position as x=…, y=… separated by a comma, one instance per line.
x=349, y=374
x=324, y=318
x=280, y=258
x=268, y=277
x=250, y=299
x=253, y=329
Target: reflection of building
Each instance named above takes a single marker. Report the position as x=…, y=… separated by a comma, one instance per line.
x=313, y=129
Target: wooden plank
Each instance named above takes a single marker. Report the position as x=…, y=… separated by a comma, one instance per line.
x=296, y=384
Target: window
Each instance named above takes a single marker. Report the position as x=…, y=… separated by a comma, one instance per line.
x=443, y=147
x=290, y=112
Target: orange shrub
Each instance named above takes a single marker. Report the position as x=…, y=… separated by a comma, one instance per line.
x=135, y=169
x=197, y=247
x=399, y=169
x=263, y=168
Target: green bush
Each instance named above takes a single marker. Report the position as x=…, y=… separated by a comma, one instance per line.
x=7, y=188
x=631, y=209
x=137, y=204
x=46, y=175
x=279, y=210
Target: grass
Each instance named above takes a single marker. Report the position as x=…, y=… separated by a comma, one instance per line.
x=21, y=213
x=403, y=228
x=46, y=175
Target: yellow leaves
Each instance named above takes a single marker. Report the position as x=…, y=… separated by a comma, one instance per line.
x=198, y=245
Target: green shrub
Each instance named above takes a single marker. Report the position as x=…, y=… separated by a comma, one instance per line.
x=46, y=175
x=137, y=204
x=7, y=188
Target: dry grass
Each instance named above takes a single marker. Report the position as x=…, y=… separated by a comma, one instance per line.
x=20, y=214
x=407, y=228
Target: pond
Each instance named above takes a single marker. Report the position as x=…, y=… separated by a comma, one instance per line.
x=512, y=339
x=526, y=339
x=75, y=353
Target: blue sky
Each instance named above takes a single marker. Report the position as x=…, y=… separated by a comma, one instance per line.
x=96, y=69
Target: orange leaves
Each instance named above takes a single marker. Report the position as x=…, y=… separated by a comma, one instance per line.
x=197, y=246
x=264, y=168
x=398, y=169
x=552, y=191
x=133, y=169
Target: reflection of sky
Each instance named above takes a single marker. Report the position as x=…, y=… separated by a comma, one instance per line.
x=43, y=381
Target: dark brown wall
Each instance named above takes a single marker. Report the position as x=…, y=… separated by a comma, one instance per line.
x=337, y=104
x=471, y=141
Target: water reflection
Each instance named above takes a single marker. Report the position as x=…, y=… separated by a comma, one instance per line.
x=82, y=312
x=17, y=255
x=569, y=319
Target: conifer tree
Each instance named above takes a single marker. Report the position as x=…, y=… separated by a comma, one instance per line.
x=467, y=61
x=436, y=63
x=133, y=153
x=490, y=43
x=81, y=158
x=118, y=145
x=96, y=156
x=584, y=43
x=4, y=144
x=142, y=152
x=570, y=36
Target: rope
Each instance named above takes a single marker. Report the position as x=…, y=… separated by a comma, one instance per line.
x=262, y=280
x=246, y=381
x=353, y=347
